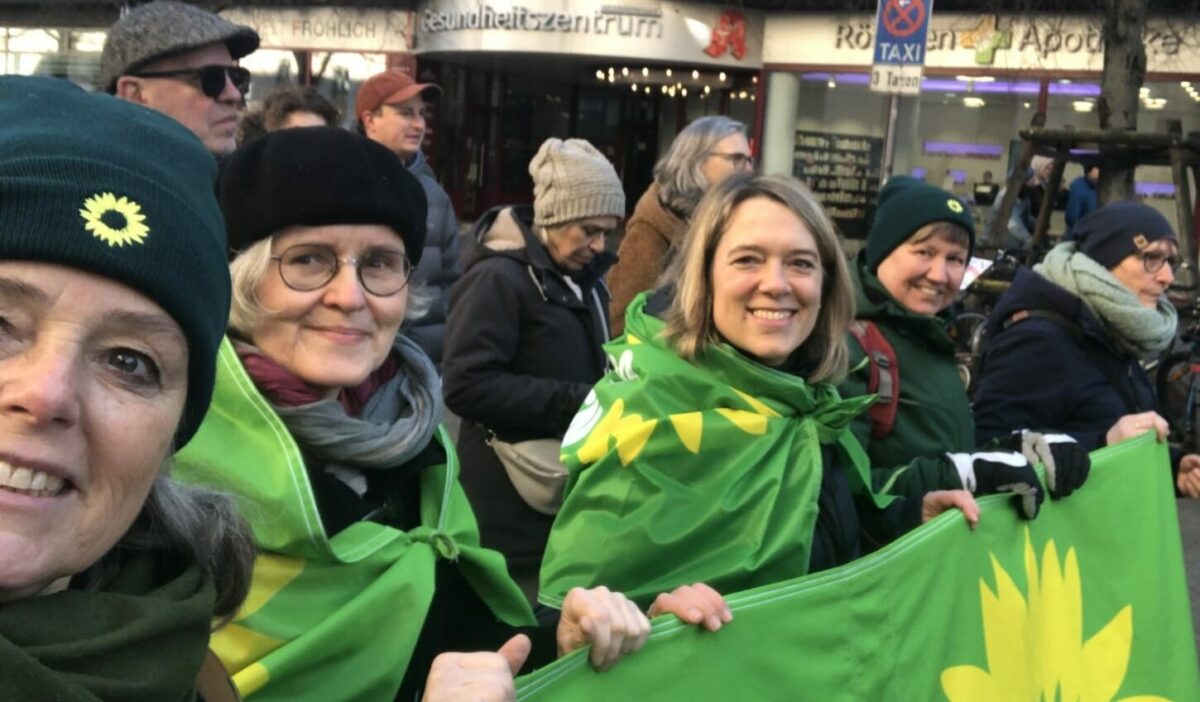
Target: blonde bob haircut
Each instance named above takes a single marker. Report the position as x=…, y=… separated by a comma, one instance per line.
x=690, y=328
x=253, y=264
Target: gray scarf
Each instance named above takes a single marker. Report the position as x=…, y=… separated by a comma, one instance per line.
x=1138, y=330
x=398, y=422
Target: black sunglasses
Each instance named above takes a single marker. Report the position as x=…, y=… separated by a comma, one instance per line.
x=212, y=78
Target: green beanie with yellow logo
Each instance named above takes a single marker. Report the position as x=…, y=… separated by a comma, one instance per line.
x=905, y=205
x=108, y=187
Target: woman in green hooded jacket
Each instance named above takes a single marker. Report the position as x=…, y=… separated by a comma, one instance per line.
x=905, y=279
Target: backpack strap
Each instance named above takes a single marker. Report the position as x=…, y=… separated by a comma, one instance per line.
x=884, y=379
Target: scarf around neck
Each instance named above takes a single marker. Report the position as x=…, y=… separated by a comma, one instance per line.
x=397, y=420
x=142, y=637
x=1135, y=329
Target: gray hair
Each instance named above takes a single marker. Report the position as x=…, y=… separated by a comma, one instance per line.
x=681, y=183
x=201, y=523
x=251, y=267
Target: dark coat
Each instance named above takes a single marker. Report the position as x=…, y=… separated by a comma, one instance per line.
x=522, y=353
x=439, y=267
x=1041, y=374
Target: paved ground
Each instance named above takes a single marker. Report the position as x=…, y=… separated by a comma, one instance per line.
x=1189, y=523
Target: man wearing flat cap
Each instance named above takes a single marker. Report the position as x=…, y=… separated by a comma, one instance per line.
x=182, y=61
x=390, y=107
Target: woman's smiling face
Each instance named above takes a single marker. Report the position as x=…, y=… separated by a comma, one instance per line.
x=332, y=337
x=766, y=281
x=924, y=273
x=93, y=379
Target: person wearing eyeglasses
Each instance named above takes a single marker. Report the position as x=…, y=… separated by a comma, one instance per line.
x=706, y=152
x=182, y=61
x=326, y=427
x=524, y=343
x=1068, y=339
x=390, y=107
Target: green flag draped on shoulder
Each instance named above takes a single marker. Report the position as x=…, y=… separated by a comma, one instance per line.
x=683, y=471
x=328, y=617
x=1088, y=602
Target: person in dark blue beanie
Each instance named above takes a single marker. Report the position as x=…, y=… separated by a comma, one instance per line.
x=114, y=294
x=1069, y=338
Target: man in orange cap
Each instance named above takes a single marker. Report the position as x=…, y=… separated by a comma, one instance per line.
x=390, y=107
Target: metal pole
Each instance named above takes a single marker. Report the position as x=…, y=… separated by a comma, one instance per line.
x=889, y=138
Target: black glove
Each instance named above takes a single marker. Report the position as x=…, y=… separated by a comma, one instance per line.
x=1067, y=464
x=993, y=472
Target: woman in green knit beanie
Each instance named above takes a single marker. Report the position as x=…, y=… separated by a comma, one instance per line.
x=113, y=297
x=920, y=434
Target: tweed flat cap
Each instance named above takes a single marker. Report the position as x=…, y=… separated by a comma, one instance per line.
x=166, y=28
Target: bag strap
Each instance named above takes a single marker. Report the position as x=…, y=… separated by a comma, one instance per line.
x=884, y=379
x=213, y=683
x=1121, y=385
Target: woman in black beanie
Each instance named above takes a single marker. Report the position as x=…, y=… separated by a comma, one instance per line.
x=1068, y=338
x=327, y=426
x=113, y=296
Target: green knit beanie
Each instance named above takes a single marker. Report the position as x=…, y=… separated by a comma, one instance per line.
x=108, y=187
x=905, y=205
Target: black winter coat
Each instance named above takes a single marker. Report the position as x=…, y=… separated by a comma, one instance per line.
x=522, y=352
x=1039, y=373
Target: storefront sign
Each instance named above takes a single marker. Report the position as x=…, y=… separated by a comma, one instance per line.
x=960, y=41
x=900, y=30
x=843, y=172
x=641, y=30
x=328, y=29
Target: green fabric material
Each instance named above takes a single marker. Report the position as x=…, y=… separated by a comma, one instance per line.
x=106, y=186
x=1138, y=330
x=919, y=620
x=329, y=617
x=682, y=472
x=905, y=205
x=142, y=637
x=934, y=416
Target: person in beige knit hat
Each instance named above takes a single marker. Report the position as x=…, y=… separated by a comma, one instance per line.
x=577, y=197
x=523, y=340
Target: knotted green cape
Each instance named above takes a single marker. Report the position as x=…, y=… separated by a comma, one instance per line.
x=329, y=617
x=687, y=471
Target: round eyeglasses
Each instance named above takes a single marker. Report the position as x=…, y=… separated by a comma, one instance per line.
x=1154, y=260
x=306, y=267
x=739, y=161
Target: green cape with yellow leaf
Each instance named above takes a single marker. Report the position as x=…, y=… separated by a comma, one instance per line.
x=686, y=471
x=330, y=616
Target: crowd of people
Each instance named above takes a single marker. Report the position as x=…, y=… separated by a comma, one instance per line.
x=227, y=349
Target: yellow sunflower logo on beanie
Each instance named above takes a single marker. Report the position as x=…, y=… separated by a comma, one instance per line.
x=117, y=221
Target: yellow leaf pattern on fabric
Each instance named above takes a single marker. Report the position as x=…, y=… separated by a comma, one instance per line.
x=632, y=340
x=272, y=572
x=240, y=649
x=1034, y=641
x=252, y=679
x=629, y=432
x=688, y=426
x=749, y=422
x=757, y=404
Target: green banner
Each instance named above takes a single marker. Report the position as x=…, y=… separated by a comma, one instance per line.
x=1087, y=602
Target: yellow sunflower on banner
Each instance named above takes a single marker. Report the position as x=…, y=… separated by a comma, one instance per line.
x=1035, y=645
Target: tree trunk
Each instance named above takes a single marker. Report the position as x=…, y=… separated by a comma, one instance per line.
x=1124, y=72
